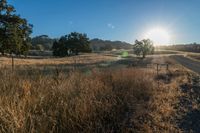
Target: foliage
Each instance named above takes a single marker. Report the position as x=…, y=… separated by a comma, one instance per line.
x=14, y=30
x=59, y=48
x=74, y=43
x=143, y=47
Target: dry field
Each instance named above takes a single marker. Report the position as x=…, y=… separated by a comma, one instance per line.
x=82, y=59
x=127, y=99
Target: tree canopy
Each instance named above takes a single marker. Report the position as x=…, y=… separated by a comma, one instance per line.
x=74, y=43
x=14, y=30
x=143, y=47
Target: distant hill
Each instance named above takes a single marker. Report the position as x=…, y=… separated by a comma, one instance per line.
x=193, y=47
x=43, y=40
x=101, y=45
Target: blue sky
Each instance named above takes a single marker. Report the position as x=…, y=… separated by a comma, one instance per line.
x=124, y=20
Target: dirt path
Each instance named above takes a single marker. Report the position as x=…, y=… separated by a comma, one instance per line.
x=188, y=63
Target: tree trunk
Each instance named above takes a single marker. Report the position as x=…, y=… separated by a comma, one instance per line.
x=143, y=56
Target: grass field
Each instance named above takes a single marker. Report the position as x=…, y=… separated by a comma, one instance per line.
x=38, y=98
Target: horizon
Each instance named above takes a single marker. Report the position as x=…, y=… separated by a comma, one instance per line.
x=113, y=20
x=131, y=43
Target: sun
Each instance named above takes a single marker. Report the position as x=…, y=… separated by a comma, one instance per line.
x=158, y=35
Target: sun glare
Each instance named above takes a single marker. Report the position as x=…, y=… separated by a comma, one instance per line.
x=158, y=35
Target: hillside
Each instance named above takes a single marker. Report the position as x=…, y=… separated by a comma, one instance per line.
x=100, y=45
x=43, y=40
x=46, y=43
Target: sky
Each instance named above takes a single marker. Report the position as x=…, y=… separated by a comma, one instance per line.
x=125, y=20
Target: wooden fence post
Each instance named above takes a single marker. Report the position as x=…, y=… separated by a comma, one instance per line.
x=12, y=62
x=157, y=68
x=167, y=67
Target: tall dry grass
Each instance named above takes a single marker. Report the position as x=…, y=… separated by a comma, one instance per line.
x=99, y=101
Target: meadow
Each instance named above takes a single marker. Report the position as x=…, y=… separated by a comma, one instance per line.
x=76, y=94
x=123, y=72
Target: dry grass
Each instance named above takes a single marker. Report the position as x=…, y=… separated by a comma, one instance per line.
x=71, y=102
x=82, y=59
x=165, y=52
x=162, y=108
x=103, y=100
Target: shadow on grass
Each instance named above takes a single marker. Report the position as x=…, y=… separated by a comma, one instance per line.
x=190, y=117
x=134, y=62
x=191, y=121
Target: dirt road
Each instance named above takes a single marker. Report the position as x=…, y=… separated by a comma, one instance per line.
x=188, y=63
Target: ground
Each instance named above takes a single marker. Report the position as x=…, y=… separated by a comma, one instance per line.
x=101, y=92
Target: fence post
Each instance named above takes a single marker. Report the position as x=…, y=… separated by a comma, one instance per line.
x=167, y=67
x=12, y=61
x=157, y=69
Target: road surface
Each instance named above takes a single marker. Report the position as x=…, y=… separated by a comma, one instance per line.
x=188, y=63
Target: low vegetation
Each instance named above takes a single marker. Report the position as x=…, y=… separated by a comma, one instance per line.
x=71, y=102
x=99, y=100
